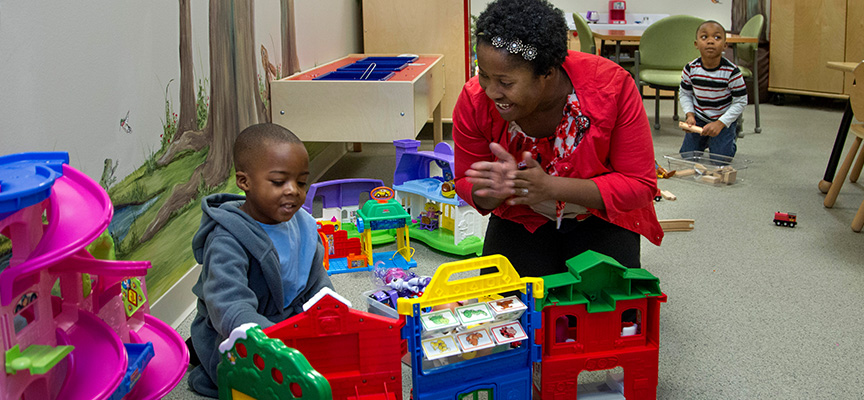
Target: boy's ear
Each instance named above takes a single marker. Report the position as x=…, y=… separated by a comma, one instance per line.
x=242, y=180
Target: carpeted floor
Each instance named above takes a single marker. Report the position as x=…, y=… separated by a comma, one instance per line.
x=755, y=311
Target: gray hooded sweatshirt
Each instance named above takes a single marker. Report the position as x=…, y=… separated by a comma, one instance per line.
x=240, y=281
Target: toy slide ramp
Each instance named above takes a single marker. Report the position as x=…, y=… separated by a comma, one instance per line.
x=78, y=212
x=168, y=365
x=98, y=362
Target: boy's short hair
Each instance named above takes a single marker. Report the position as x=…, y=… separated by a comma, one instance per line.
x=254, y=138
x=710, y=21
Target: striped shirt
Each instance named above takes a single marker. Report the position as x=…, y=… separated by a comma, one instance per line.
x=713, y=94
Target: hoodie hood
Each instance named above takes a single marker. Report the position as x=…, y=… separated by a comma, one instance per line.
x=224, y=209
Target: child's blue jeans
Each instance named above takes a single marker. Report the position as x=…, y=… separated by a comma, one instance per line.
x=723, y=143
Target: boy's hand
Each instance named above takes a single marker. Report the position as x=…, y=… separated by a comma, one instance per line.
x=530, y=183
x=713, y=129
x=691, y=119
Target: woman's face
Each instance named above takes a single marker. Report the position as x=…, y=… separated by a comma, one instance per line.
x=511, y=84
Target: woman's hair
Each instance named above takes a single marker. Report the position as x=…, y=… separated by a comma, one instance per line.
x=535, y=23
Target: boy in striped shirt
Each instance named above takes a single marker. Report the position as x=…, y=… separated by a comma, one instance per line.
x=713, y=94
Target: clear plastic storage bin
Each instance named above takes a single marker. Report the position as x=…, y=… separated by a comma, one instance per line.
x=707, y=168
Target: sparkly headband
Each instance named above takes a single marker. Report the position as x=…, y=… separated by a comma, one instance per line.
x=515, y=46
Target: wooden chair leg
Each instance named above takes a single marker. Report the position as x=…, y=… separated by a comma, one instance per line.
x=856, y=170
x=831, y=197
x=756, y=88
x=858, y=221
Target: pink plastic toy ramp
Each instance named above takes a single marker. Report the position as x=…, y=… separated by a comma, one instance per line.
x=78, y=213
x=168, y=364
x=98, y=362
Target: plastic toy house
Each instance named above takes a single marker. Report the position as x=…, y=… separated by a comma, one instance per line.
x=340, y=199
x=597, y=316
x=460, y=372
x=359, y=353
x=255, y=366
x=443, y=220
x=350, y=254
x=96, y=338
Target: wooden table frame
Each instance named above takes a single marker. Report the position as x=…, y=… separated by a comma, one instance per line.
x=635, y=35
x=840, y=140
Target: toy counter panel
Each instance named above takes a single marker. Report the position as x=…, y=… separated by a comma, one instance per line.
x=375, y=111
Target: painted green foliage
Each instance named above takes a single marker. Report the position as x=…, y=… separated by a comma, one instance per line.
x=284, y=373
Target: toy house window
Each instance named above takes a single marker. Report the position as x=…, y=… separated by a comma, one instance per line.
x=565, y=329
x=25, y=312
x=317, y=207
x=631, y=322
x=362, y=197
x=482, y=394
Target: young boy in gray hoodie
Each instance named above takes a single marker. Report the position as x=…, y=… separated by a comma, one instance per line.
x=261, y=255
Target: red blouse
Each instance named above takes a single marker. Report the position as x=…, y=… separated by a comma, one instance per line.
x=617, y=152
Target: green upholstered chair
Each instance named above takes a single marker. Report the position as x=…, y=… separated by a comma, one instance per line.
x=586, y=37
x=746, y=52
x=664, y=49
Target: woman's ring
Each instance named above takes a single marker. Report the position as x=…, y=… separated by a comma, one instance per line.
x=524, y=192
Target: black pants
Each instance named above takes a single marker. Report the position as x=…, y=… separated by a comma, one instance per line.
x=546, y=250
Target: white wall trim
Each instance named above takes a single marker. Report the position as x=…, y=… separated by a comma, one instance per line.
x=178, y=302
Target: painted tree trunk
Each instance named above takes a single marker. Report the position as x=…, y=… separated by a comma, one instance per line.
x=187, y=120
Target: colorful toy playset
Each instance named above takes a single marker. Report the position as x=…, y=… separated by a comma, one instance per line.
x=440, y=218
x=358, y=354
x=95, y=338
x=340, y=200
x=343, y=254
x=597, y=316
x=444, y=344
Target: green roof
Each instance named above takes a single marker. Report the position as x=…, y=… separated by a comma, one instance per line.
x=375, y=211
x=597, y=281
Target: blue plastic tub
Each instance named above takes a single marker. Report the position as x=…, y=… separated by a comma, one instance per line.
x=378, y=59
x=355, y=76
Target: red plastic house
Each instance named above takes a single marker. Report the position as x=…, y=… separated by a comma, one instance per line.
x=597, y=316
x=359, y=353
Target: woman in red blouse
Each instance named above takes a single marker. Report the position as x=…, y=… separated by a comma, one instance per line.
x=554, y=143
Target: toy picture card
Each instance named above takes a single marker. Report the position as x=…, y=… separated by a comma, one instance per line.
x=441, y=346
x=475, y=340
x=509, y=332
x=508, y=308
x=438, y=320
x=473, y=314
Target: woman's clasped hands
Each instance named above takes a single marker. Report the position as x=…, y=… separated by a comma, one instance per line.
x=505, y=179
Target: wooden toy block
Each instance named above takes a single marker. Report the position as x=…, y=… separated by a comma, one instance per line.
x=729, y=176
x=686, y=172
x=668, y=195
x=710, y=179
x=687, y=128
x=677, y=225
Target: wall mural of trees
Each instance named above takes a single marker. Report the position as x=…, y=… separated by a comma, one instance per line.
x=197, y=159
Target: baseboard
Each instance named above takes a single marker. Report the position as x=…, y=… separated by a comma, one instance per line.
x=178, y=302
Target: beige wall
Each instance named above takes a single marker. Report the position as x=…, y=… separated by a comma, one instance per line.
x=720, y=12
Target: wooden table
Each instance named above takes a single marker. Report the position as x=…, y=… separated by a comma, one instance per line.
x=621, y=35
x=840, y=140
x=361, y=111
